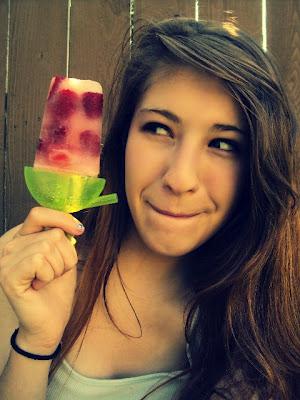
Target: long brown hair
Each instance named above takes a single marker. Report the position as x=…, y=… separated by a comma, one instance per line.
x=243, y=321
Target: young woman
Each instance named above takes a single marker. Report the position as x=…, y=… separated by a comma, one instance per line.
x=189, y=286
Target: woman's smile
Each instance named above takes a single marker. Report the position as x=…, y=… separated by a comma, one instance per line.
x=173, y=214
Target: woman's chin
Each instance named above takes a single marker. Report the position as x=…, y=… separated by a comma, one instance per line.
x=170, y=248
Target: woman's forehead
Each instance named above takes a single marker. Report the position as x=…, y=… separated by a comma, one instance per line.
x=180, y=89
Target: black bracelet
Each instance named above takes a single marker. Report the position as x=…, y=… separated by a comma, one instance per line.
x=30, y=355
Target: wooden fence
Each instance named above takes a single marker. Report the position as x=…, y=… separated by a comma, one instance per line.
x=42, y=38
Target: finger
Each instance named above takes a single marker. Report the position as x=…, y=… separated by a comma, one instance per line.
x=52, y=235
x=40, y=218
x=44, y=271
x=46, y=248
x=53, y=244
x=18, y=279
x=66, y=249
x=38, y=285
x=68, y=253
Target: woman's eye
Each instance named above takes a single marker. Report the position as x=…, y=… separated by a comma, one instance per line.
x=225, y=145
x=156, y=128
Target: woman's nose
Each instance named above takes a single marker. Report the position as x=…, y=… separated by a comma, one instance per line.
x=182, y=172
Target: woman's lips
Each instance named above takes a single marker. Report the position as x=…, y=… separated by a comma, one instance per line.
x=171, y=214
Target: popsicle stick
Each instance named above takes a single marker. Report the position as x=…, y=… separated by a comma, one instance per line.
x=104, y=200
x=71, y=239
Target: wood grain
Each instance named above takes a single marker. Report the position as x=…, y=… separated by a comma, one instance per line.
x=97, y=30
x=155, y=10
x=246, y=14
x=283, y=33
x=37, y=52
x=3, y=46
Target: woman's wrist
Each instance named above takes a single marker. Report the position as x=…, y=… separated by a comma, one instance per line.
x=32, y=348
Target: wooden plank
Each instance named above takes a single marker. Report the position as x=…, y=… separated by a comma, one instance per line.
x=3, y=45
x=37, y=51
x=246, y=14
x=283, y=41
x=156, y=10
x=97, y=29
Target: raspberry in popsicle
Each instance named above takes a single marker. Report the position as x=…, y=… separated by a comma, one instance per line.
x=71, y=127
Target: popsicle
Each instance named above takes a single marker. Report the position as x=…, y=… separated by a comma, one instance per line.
x=71, y=127
x=65, y=172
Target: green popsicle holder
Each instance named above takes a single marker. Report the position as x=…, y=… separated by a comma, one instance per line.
x=65, y=191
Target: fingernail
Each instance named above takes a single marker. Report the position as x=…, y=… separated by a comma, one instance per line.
x=79, y=225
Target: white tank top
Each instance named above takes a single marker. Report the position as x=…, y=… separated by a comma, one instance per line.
x=68, y=384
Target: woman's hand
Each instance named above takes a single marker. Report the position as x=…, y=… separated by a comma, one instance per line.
x=38, y=276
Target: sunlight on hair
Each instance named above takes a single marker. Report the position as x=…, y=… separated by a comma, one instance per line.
x=131, y=21
x=230, y=23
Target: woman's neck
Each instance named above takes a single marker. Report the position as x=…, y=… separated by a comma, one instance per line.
x=143, y=290
x=149, y=276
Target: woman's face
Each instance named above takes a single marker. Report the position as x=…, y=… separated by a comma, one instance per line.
x=183, y=163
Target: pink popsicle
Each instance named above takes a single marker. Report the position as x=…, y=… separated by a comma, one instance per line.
x=71, y=127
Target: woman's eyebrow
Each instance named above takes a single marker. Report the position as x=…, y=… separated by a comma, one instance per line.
x=165, y=113
x=177, y=120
